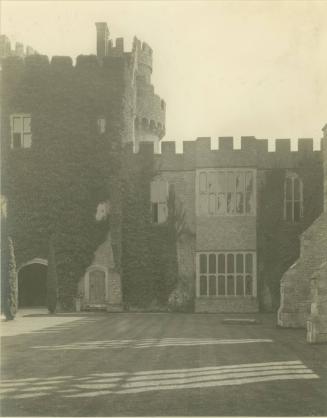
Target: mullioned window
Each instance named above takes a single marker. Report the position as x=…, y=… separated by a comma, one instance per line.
x=226, y=192
x=226, y=274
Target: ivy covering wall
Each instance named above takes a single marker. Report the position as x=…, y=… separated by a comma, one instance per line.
x=54, y=187
x=149, y=251
x=278, y=242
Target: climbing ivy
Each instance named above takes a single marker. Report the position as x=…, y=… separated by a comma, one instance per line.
x=278, y=241
x=54, y=187
x=149, y=251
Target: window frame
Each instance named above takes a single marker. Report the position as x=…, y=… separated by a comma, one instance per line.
x=222, y=274
x=101, y=125
x=226, y=198
x=25, y=135
x=159, y=204
x=292, y=200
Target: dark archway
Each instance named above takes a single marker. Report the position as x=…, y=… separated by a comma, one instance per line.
x=32, y=285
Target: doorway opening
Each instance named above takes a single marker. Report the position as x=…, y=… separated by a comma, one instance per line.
x=32, y=284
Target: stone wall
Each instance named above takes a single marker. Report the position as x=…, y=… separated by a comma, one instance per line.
x=104, y=260
x=226, y=305
x=303, y=285
x=317, y=321
x=295, y=285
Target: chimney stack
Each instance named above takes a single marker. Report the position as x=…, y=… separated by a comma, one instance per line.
x=102, y=39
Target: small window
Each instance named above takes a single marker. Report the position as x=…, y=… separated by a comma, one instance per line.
x=17, y=140
x=248, y=263
x=212, y=286
x=212, y=263
x=21, y=133
x=230, y=286
x=155, y=216
x=221, y=286
x=221, y=263
x=159, y=204
x=239, y=263
x=293, y=198
x=230, y=263
x=203, y=285
x=101, y=124
x=239, y=286
x=212, y=204
x=248, y=285
x=203, y=263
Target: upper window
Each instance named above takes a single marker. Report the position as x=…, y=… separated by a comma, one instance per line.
x=101, y=125
x=21, y=134
x=293, y=198
x=226, y=192
x=159, y=197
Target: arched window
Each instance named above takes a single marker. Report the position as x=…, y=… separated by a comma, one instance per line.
x=293, y=198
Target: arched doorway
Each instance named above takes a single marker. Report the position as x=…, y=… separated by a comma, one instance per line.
x=32, y=283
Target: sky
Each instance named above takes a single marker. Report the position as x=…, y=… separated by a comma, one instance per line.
x=224, y=68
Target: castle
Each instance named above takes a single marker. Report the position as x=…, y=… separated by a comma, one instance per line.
x=250, y=213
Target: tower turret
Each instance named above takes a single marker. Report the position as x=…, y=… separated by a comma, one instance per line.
x=150, y=108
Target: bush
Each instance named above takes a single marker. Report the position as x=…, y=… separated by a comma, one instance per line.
x=52, y=281
x=10, y=285
x=181, y=298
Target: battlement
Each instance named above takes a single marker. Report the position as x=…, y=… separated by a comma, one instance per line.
x=144, y=50
x=42, y=62
x=20, y=50
x=252, y=153
x=117, y=49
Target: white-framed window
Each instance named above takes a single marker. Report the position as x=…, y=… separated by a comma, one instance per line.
x=159, y=201
x=293, y=198
x=225, y=192
x=21, y=134
x=226, y=274
x=101, y=125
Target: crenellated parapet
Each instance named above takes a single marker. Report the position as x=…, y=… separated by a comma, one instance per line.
x=253, y=153
x=116, y=49
x=20, y=50
x=88, y=63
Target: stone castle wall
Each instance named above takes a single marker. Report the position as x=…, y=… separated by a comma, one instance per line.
x=275, y=240
x=303, y=286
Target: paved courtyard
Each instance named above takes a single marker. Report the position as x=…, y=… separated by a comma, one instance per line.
x=158, y=364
